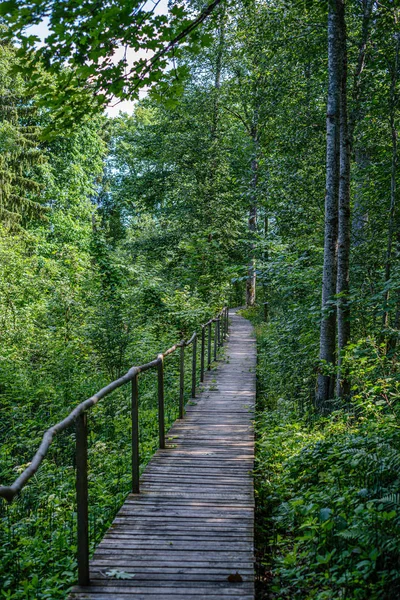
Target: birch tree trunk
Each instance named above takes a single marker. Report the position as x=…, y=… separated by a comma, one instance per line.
x=325, y=383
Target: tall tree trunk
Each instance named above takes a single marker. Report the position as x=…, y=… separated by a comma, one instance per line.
x=211, y=196
x=360, y=215
x=347, y=126
x=325, y=384
x=251, y=273
x=392, y=223
x=357, y=79
x=393, y=192
x=252, y=222
x=343, y=257
x=220, y=49
x=218, y=72
x=265, y=260
x=395, y=339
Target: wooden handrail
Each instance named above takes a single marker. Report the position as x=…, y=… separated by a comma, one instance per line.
x=79, y=416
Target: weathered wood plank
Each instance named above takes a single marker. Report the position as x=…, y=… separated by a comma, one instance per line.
x=191, y=527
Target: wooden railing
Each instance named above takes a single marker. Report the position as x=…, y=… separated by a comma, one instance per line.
x=79, y=416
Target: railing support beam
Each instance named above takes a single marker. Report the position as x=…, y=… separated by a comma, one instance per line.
x=181, y=378
x=82, y=499
x=135, y=435
x=161, y=417
x=194, y=366
x=209, y=347
x=203, y=349
x=215, y=338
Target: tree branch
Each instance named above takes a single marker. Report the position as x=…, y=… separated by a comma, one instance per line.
x=238, y=116
x=191, y=27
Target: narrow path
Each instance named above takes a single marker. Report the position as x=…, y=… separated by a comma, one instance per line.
x=190, y=531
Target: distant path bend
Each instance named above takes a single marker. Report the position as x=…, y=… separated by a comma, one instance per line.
x=190, y=531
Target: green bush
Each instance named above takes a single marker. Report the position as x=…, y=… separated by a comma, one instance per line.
x=327, y=488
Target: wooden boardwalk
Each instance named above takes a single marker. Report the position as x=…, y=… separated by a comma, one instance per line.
x=189, y=533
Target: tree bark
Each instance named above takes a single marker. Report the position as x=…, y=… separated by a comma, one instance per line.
x=393, y=191
x=265, y=260
x=218, y=72
x=360, y=216
x=325, y=383
x=347, y=126
x=251, y=273
x=392, y=223
x=362, y=53
x=343, y=257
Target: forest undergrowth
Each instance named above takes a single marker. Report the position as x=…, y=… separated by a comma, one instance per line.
x=327, y=516
x=38, y=530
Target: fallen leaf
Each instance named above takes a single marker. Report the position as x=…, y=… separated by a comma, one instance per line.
x=116, y=574
x=236, y=578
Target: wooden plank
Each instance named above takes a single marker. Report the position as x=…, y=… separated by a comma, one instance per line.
x=128, y=542
x=205, y=575
x=119, y=590
x=182, y=536
x=170, y=566
x=192, y=524
x=168, y=594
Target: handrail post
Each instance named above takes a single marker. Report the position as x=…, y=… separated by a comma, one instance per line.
x=219, y=330
x=203, y=344
x=161, y=419
x=227, y=320
x=194, y=365
x=135, y=435
x=209, y=347
x=82, y=499
x=181, y=378
x=215, y=338
x=222, y=327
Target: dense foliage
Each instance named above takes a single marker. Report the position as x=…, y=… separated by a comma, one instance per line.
x=327, y=487
x=118, y=236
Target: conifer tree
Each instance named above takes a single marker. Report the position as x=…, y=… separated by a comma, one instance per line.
x=20, y=150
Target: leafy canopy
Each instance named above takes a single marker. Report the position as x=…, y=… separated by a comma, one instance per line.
x=99, y=50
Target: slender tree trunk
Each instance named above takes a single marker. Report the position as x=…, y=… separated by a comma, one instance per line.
x=325, y=384
x=357, y=80
x=252, y=223
x=397, y=315
x=211, y=187
x=347, y=126
x=343, y=257
x=392, y=223
x=218, y=72
x=265, y=260
x=393, y=192
x=220, y=49
x=360, y=216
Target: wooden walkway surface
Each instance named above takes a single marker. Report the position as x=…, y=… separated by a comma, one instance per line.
x=189, y=533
